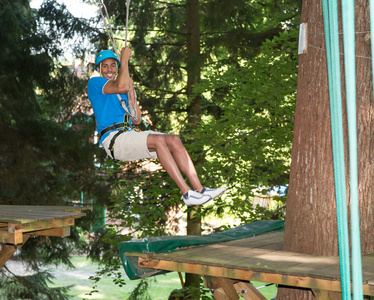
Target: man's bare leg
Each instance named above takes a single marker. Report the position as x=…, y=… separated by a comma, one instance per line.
x=157, y=142
x=183, y=160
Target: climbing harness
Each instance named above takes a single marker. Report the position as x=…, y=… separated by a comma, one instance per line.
x=123, y=127
x=112, y=141
x=132, y=103
x=129, y=107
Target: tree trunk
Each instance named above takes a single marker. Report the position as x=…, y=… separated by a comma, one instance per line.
x=193, y=60
x=194, y=112
x=311, y=219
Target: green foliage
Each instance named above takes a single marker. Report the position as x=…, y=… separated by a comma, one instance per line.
x=243, y=139
x=33, y=287
x=247, y=142
x=192, y=292
x=141, y=199
x=140, y=292
x=104, y=249
x=45, y=151
x=229, y=32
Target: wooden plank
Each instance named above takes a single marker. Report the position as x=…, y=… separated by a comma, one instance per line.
x=326, y=295
x=17, y=220
x=36, y=217
x=38, y=214
x=28, y=213
x=219, y=294
x=248, y=291
x=239, y=260
x=13, y=238
x=14, y=234
x=7, y=251
x=33, y=226
x=273, y=240
x=248, y=275
x=222, y=288
x=44, y=208
x=60, y=232
x=261, y=260
x=228, y=289
x=368, y=268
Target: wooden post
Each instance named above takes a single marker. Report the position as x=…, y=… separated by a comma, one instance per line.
x=7, y=251
x=248, y=291
x=193, y=228
x=326, y=295
x=222, y=288
x=229, y=289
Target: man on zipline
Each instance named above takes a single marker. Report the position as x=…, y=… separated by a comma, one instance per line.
x=107, y=94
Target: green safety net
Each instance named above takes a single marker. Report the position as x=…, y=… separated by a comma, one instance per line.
x=174, y=243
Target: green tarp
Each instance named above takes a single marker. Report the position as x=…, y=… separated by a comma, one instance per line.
x=173, y=243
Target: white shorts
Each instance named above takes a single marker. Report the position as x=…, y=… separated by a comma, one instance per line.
x=130, y=145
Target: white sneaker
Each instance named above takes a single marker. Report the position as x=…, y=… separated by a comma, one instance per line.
x=194, y=198
x=213, y=193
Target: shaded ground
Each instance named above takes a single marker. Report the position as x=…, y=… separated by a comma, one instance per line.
x=160, y=286
x=84, y=268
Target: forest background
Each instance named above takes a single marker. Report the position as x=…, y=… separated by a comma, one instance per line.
x=221, y=74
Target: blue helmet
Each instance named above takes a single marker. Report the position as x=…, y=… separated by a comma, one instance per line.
x=102, y=55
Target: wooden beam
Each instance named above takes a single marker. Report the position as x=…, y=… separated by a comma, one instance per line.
x=28, y=213
x=7, y=251
x=181, y=279
x=11, y=238
x=60, y=232
x=14, y=234
x=34, y=226
x=248, y=291
x=229, y=289
x=224, y=289
x=247, y=275
x=326, y=295
x=219, y=294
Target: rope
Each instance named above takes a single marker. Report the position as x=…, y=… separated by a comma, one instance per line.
x=127, y=20
x=108, y=27
x=330, y=16
x=348, y=13
x=132, y=103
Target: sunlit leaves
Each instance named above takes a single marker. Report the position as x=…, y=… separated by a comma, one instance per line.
x=248, y=143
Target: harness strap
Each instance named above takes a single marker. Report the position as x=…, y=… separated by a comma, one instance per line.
x=111, y=145
x=112, y=127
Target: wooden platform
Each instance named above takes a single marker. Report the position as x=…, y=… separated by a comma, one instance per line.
x=19, y=222
x=259, y=259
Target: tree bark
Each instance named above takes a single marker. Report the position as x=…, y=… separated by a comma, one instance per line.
x=194, y=111
x=311, y=219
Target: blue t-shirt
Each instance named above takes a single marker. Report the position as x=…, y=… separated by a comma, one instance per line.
x=107, y=108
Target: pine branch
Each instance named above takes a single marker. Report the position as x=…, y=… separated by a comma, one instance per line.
x=181, y=44
x=160, y=66
x=166, y=91
x=143, y=30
